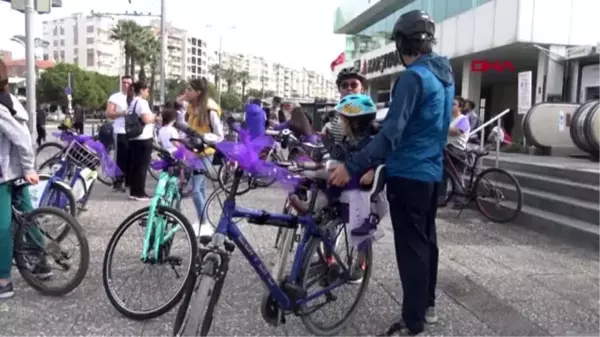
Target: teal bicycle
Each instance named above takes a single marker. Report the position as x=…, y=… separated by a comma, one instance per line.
x=162, y=222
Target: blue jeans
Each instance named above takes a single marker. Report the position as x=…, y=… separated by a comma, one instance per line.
x=199, y=192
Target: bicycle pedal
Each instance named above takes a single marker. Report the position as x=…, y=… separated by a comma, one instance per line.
x=174, y=260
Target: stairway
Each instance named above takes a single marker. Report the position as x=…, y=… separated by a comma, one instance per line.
x=561, y=196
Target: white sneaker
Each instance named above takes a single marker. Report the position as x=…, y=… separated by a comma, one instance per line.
x=204, y=230
x=196, y=228
x=431, y=316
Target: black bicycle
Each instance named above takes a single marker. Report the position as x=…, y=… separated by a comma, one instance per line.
x=38, y=253
x=488, y=188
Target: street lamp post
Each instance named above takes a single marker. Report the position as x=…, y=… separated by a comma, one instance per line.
x=163, y=50
x=218, y=84
x=30, y=63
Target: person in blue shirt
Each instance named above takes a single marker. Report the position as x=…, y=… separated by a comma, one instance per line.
x=412, y=140
x=255, y=118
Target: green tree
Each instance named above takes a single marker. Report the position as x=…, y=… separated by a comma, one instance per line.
x=216, y=71
x=254, y=93
x=244, y=78
x=89, y=89
x=130, y=34
x=174, y=88
x=231, y=101
x=231, y=78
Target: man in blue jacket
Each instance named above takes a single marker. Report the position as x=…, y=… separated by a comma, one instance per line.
x=412, y=140
x=255, y=118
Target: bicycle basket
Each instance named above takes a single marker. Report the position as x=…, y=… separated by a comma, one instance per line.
x=81, y=155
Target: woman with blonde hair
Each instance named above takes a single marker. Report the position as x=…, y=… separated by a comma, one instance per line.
x=203, y=116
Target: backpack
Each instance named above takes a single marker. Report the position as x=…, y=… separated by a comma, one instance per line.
x=133, y=124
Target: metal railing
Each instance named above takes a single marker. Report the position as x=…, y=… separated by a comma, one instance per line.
x=482, y=129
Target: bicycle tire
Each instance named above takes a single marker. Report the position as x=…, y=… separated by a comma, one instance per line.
x=223, y=184
x=284, y=244
x=517, y=189
x=198, y=311
x=449, y=179
x=265, y=182
x=84, y=262
x=314, y=247
x=49, y=162
x=107, y=262
x=59, y=146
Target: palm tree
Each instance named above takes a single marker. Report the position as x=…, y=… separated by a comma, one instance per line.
x=128, y=32
x=231, y=78
x=215, y=70
x=244, y=78
x=147, y=50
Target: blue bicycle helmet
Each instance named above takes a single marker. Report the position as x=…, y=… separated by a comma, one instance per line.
x=356, y=105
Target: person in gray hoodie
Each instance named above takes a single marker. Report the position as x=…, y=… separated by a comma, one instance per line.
x=16, y=161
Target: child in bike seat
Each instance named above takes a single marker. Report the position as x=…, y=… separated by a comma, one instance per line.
x=168, y=131
x=357, y=113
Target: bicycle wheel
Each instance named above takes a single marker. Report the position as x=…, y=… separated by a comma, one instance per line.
x=226, y=172
x=195, y=314
x=284, y=244
x=47, y=151
x=450, y=186
x=265, y=182
x=323, y=273
x=492, y=185
x=167, y=259
x=30, y=253
x=50, y=166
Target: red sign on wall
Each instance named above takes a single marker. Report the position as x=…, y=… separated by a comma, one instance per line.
x=485, y=66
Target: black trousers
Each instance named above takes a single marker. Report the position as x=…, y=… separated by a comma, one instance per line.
x=41, y=135
x=78, y=126
x=122, y=159
x=413, y=208
x=140, y=152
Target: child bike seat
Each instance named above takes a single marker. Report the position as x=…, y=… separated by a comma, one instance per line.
x=378, y=183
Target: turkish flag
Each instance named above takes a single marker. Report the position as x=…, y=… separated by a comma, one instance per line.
x=339, y=60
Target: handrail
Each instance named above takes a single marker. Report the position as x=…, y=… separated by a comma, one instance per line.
x=498, y=116
x=482, y=129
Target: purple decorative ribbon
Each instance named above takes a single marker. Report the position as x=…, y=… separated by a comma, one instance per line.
x=188, y=157
x=246, y=153
x=109, y=167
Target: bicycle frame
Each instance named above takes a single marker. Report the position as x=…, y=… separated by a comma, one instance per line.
x=227, y=228
x=454, y=171
x=166, y=193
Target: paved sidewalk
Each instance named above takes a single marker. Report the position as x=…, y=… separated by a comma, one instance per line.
x=493, y=280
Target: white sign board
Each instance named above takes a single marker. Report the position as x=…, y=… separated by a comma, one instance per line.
x=525, y=80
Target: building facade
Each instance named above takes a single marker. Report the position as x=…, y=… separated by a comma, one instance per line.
x=275, y=77
x=489, y=42
x=83, y=40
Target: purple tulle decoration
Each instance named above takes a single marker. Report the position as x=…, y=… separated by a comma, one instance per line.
x=247, y=154
x=64, y=136
x=109, y=167
x=190, y=159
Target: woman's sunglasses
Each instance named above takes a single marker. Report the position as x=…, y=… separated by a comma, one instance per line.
x=349, y=85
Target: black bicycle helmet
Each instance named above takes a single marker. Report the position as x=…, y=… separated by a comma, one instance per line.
x=347, y=73
x=415, y=24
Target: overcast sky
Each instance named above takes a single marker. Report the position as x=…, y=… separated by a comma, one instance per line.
x=294, y=32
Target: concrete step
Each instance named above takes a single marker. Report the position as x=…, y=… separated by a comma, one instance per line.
x=578, y=232
x=582, y=176
x=569, y=189
x=585, y=211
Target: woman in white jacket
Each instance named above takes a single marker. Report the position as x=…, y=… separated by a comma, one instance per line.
x=16, y=161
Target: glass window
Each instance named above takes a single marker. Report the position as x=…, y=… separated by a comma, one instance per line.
x=62, y=56
x=452, y=8
x=90, y=29
x=438, y=10
x=55, y=56
x=75, y=35
x=90, y=40
x=90, y=57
